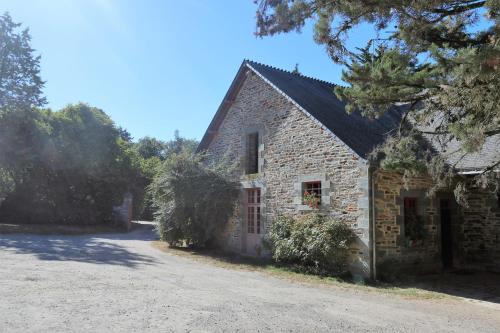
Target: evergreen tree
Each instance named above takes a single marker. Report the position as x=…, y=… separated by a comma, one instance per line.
x=441, y=63
x=20, y=82
x=20, y=90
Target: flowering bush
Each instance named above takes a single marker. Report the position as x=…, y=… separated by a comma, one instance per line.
x=311, y=199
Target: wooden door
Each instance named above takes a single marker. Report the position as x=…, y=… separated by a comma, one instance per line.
x=253, y=219
x=446, y=233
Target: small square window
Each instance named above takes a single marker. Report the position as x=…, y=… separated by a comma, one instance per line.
x=311, y=194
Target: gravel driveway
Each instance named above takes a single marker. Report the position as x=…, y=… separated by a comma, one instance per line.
x=119, y=282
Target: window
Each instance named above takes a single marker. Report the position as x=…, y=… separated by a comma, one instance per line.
x=413, y=226
x=253, y=211
x=252, y=153
x=311, y=194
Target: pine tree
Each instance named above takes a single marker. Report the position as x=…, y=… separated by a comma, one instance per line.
x=20, y=82
x=441, y=64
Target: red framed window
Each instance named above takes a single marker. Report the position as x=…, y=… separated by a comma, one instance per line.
x=313, y=187
x=311, y=193
x=253, y=211
x=411, y=218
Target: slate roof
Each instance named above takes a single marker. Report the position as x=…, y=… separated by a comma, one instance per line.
x=473, y=162
x=316, y=98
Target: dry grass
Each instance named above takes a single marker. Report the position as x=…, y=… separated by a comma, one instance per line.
x=238, y=262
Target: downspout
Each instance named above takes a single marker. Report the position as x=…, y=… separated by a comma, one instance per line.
x=371, y=181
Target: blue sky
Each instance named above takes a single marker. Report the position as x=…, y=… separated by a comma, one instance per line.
x=156, y=65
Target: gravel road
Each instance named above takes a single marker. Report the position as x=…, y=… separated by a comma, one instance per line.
x=119, y=282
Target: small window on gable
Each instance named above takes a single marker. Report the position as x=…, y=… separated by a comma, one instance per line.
x=311, y=194
x=413, y=226
x=252, y=153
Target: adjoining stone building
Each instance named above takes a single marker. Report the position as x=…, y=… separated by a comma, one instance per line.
x=289, y=134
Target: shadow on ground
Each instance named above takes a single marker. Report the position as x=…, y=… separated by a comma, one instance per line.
x=475, y=285
x=483, y=286
x=96, y=249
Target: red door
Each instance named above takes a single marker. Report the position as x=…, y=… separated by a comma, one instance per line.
x=253, y=227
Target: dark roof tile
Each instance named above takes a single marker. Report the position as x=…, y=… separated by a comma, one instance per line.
x=317, y=98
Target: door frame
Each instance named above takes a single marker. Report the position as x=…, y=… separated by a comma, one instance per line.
x=447, y=233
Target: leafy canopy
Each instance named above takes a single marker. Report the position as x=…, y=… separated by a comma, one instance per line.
x=152, y=152
x=441, y=60
x=69, y=166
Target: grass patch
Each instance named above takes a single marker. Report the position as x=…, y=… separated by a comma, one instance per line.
x=238, y=262
x=52, y=229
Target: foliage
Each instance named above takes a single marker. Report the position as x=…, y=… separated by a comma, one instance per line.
x=311, y=199
x=20, y=87
x=313, y=242
x=194, y=200
x=20, y=82
x=152, y=152
x=441, y=61
x=415, y=231
x=69, y=167
x=149, y=147
x=179, y=145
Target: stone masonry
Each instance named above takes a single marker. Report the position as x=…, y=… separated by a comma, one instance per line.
x=480, y=231
x=393, y=253
x=293, y=147
x=475, y=230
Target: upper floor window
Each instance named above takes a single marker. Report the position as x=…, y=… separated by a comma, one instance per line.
x=252, y=153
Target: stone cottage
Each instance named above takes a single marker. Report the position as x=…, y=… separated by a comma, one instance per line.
x=290, y=134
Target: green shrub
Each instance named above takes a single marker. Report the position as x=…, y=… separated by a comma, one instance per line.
x=68, y=167
x=311, y=242
x=193, y=200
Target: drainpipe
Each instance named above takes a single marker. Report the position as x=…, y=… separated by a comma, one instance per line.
x=371, y=181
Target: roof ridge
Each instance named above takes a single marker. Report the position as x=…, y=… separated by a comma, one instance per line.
x=289, y=72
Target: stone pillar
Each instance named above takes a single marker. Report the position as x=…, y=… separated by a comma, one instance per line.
x=123, y=213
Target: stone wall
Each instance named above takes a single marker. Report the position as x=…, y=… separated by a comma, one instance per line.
x=293, y=147
x=480, y=242
x=394, y=252
x=475, y=230
x=123, y=213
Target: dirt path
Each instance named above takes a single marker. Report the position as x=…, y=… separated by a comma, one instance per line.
x=118, y=282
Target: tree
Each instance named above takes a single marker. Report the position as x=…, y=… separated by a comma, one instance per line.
x=20, y=90
x=149, y=147
x=194, y=200
x=20, y=82
x=180, y=144
x=441, y=64
x=69, y=167
x=152, y=153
